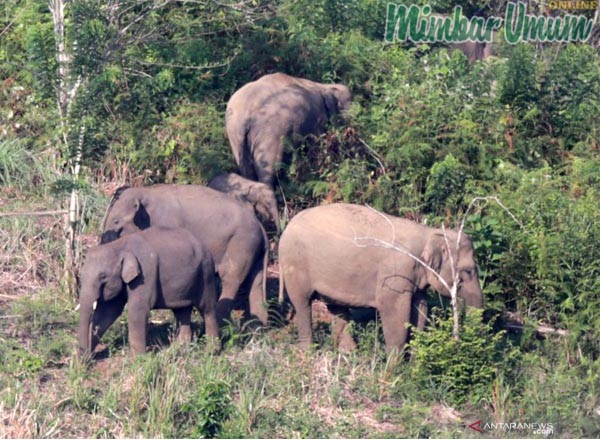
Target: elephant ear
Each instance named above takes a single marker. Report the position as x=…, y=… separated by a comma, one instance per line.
x=331, y=102
x=130, y=268
x=141, y=218
x=435, y=252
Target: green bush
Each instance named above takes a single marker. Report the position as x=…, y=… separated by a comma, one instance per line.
x=187, y=146
x=463, y=370
x=445, y=185
x=211, y=405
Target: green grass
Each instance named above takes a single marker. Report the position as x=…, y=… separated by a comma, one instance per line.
x=20, y=167
x=263, y=387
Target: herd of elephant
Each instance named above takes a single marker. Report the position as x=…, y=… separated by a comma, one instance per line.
x=168, y=246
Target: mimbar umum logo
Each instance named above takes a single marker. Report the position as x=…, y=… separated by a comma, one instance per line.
x=420, y=25
x=573, y=5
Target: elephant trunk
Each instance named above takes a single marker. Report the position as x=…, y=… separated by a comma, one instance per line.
x=473, y=295
x=86, y=315
x=275, y=216
x=88, y=300
x=475, y=302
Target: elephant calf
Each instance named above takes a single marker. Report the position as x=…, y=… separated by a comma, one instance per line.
x=157, y=268
x=334, y=252
x=258, y=195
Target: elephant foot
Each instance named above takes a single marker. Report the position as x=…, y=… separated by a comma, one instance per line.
x=304, y=345
x=340, y=330
x=255, y=322
x=346, y=343
x=184, y=336
x=133, y=352
x=213, y=345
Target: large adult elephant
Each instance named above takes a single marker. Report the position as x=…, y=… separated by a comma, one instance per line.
x=336, y=253
x=263, y=113
x=227, y=228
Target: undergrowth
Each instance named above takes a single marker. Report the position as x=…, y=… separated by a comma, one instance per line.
x=266, y=387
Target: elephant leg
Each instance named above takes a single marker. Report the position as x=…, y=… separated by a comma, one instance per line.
x=105, y=315
x=240, y=267
x=340, y=329
x=138, y=327
x=267, y=155
x=211, y=327
x=183, y=316
x=210, y=322
x=394, y=309
x=300, y=293
x=304, y=322
x=230, y=284
x=419, y=311
x=207, y=303
x=256, y=299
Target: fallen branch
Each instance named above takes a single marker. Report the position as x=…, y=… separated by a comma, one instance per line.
x=33, y=213
x=515, y=323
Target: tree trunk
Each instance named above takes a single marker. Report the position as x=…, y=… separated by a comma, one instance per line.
x=65, y=96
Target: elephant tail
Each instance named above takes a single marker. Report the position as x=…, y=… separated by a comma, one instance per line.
x=245, y=164
x=237, y=131
x=281, y=286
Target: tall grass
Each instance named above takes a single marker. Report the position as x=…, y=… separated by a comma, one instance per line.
x=261, y=387
x=20, y=167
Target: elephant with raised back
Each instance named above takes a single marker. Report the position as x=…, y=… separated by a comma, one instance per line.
x=263, y=114
x=259, y=196
x=227, y=228
x=328, y=252
x=156, y=268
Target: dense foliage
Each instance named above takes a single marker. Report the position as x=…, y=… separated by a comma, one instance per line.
x=428, y=132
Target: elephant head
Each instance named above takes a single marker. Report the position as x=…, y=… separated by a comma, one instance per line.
x=441, y=254
x=259, y=196
x=337, y=98
x=125, y=214
x=263, y=200
x=104, y=277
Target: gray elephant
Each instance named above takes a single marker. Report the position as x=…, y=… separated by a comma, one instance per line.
x=330, y=252
x=473, y=50
x=259, y=196
x=156, y=268
x=226, y=227
x=263, y=113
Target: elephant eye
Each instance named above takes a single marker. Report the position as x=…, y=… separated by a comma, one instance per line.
x=468, y=273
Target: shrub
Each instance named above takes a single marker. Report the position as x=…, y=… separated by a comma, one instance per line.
x=461, y=370
x=211, y=406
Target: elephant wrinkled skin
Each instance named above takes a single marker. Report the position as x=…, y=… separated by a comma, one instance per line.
x=227, y=228
x=152, y=269
x=328, y=252
x=263, y=113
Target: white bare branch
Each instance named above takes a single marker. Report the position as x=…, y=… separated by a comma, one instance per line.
x=376, y=156
x=365, y=242
x=455, y=282
x=486, y=199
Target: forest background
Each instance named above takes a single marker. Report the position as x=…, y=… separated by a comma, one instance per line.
x=134, y=92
